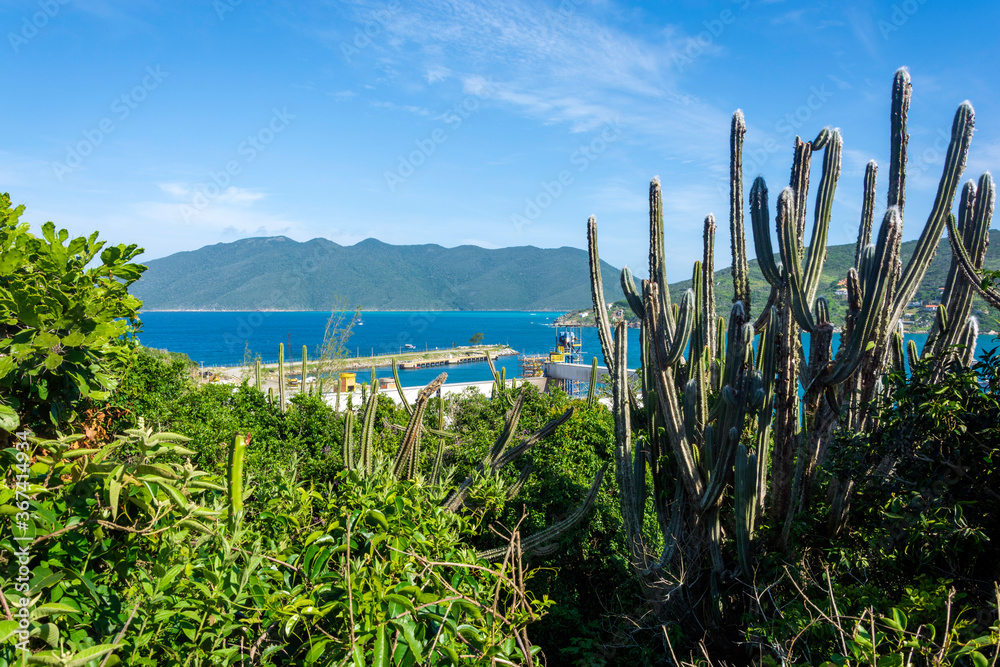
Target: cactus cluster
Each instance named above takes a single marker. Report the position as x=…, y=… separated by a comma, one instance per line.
x=730, y=432
x=407, y=458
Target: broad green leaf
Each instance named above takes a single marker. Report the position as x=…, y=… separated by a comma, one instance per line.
x=48, y=633
x=9, y=420
x=88, y=654
x=381, y=655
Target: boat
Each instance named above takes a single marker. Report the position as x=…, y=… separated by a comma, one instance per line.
x=409, y=346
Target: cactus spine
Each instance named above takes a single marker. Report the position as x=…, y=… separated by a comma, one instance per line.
x=699, y=454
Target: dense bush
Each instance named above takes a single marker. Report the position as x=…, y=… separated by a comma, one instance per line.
x=919, y=560
x=148, y=561
x=587, y=576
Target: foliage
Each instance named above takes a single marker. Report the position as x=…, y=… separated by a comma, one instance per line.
x=61, y=320
x=131, y=557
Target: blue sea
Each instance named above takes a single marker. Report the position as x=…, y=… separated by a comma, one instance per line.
x=213, y=338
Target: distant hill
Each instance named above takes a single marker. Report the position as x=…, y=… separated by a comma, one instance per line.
x=839, y=259
x=277, y=273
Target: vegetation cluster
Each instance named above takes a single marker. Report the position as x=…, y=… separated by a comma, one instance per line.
x=766, y=504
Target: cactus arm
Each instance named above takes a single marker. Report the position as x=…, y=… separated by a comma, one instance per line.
x=954, y=165
x=799, y=183
x=759, y=219
x=631, y=293
x=961, y=256
x=707, y=304
x=592, y=388
x=878, y=273
x=399, y=386
x=368, y=431
x=597, y=295
x=302, y=385
x=657, y=256
x=493, y=463
x=824, y=205
x=236, y=456
x=683, y=331
x=439, y=455
x=787, y=224
x=349, y=440
x=975, y=213
x=901, y=92
x=737, y=233
x=867, y=212
x=408, y=454
x=541, y=543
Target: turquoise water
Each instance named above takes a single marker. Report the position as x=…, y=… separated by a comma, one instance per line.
x=221, y=338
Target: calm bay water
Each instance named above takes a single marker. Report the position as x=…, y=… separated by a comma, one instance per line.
x=222, y=338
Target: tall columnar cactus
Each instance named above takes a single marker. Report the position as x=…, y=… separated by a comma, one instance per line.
x=281, y=376
x=302, y=385
x=235, y=478
x=257, y=374
x=757, y=441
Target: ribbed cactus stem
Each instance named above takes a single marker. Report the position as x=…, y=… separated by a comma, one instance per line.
x=867, y=212
x=923, y=253
x=632, y=294
x=257, y=374
x=349, y=440
x=737, y=233
x=901, y=92
x=281, y=376
x=302, y=385
x=597, y=295
x=707, y=305
x=975, y=213
x=592, y=389
x=439, y=455
x=235, y=475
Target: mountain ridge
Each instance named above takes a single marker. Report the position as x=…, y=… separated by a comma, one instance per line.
x=277, y=273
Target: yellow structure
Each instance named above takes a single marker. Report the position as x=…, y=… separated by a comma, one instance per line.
x=347, y=381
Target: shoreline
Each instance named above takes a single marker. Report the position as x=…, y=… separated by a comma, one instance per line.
x=363, y=311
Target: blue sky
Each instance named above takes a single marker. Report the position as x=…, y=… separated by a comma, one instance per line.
x=180, y=124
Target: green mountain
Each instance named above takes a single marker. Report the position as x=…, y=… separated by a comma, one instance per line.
x=278, y=273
